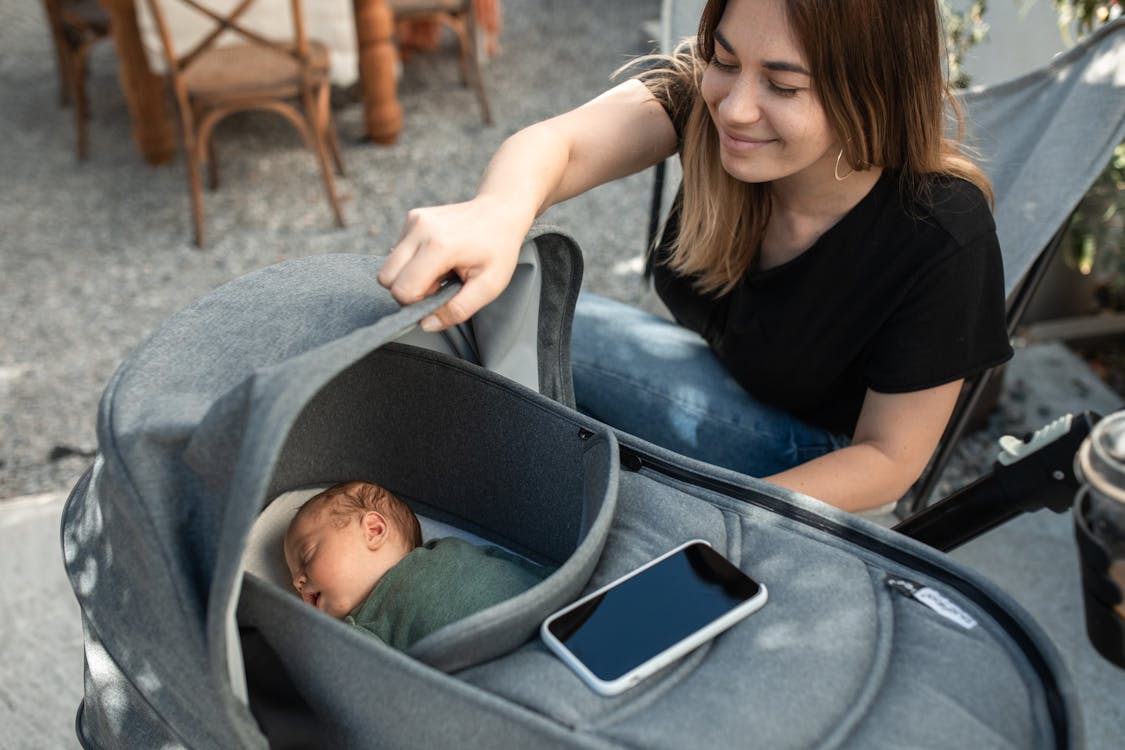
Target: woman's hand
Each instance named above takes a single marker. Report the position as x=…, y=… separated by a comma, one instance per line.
x=616, y=134
x=479, y=240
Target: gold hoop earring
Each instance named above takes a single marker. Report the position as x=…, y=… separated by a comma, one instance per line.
x=836, y=171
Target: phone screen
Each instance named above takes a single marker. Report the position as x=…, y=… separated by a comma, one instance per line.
x=642, y=616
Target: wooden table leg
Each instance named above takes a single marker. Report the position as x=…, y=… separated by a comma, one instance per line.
x=374, y=28
x=143, y=89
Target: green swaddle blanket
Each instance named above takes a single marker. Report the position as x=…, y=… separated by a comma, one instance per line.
x=438, y=583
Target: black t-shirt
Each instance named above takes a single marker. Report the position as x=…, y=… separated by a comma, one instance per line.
x=902, y=294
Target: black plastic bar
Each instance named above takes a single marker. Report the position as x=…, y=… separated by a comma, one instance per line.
x=1042, y=479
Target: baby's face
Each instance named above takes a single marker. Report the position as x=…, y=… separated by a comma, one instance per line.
x=330, y=564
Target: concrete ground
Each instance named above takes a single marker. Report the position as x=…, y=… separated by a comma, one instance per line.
x=95, y=255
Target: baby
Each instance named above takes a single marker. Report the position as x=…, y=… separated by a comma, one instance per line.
x=355, y=552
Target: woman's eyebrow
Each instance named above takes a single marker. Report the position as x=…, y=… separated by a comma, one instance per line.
x=722, y=40
x=785, y=67
x=778, y=65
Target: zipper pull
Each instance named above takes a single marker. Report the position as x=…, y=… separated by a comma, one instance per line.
x=934, y=600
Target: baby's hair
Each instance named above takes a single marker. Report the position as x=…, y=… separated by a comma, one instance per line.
x=348, y=499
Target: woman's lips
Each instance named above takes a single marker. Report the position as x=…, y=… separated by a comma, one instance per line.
x=739, y=144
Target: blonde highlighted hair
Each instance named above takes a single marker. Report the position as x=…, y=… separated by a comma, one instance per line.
x=877, y=72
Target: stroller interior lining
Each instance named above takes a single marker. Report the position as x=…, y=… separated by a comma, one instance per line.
x=503, y=335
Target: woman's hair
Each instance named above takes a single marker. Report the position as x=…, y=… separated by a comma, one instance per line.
x=350, y=499
x=877, y=72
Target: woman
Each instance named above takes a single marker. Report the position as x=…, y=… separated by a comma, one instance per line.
x=831, y=259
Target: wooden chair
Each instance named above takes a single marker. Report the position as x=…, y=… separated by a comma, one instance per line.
x=212, y=80
x=461, y=17
x=76, y=25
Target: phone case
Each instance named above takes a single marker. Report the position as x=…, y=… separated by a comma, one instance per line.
x=665, y=657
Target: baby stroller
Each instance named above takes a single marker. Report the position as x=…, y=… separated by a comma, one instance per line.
x=307, y=373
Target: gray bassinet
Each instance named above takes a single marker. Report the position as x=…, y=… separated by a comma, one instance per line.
x=307, y=373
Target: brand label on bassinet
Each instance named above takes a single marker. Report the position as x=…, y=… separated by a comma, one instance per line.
x=933, y=599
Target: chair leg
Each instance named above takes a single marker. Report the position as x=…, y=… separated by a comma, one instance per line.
x=205, y=122
x=63, y=55
x=318, y=114
x=77, y=81
x=476, y=77
x=72, y=61
x=195, y=184
x=459, y=25
x=334, y=144
x=212, y=164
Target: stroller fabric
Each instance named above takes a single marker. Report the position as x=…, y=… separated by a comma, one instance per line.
x=307, y=373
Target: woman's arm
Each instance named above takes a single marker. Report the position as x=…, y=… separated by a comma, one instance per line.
x=620, y=132
x=894, y=438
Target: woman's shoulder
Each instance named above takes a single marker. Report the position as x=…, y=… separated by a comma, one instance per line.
x=955, y=205
x=949, y=192
x=671, y=79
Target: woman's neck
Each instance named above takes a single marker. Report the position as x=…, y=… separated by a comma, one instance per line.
x=804, y=209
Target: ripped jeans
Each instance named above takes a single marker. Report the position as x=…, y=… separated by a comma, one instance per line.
x=656, y=380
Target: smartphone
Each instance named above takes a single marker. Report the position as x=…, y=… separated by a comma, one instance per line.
x=627, y=630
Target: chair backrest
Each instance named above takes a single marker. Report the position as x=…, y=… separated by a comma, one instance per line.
x=177, y=32
x=329, y=21
x=1044, y=137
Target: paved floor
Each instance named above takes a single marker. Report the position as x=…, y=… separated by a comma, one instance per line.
x=94, y=256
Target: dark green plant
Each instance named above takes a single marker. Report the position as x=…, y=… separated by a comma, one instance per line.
x=1095, y=239
x=1085, y=15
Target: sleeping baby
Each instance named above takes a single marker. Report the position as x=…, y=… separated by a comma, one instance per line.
x=355, y=552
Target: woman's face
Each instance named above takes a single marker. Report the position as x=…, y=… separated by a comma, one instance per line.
x=759, y=92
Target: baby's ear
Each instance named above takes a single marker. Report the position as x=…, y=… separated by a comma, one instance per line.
x=375, y=529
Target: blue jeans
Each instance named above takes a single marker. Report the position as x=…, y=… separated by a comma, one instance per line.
x=659, y=381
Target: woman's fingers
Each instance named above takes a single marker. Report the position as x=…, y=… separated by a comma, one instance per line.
x=440, y=240
x=412, y=273
x=414, y=269
x=400, y=258
x=393, y=266
x=476, y=292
